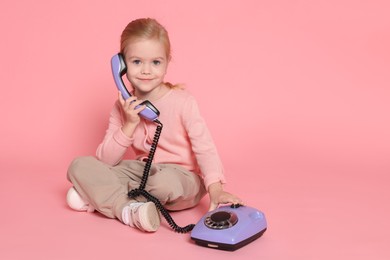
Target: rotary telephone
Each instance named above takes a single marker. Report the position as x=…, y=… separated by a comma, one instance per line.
x=227, y=227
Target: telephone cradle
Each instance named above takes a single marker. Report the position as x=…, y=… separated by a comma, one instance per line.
x=229, y=227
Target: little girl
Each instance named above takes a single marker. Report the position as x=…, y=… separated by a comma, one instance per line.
x=186, y=164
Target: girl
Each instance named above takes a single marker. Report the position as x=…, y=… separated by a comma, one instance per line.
x=186, y=165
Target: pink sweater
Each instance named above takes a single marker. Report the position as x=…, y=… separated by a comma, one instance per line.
x=185, y=139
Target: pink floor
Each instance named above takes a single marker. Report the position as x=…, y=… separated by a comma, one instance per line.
x=328, y=211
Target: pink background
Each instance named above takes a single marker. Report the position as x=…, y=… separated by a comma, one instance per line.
x=296, y=95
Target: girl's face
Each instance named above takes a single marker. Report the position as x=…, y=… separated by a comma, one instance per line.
x=147, y=65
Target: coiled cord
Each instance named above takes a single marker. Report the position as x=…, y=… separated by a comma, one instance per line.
x=149, y=161
x=140, y=191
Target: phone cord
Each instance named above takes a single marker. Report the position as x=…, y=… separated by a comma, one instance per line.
x=140, y=191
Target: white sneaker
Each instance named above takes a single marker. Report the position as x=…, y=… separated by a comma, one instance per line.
x=75, y=201
x=143, y=215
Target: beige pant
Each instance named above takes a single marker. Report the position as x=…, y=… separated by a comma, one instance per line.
x=105, y=187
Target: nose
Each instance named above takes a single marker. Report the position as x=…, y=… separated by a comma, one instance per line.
x=145, y=69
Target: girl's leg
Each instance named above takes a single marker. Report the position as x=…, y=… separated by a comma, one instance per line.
x=175, y=187
x=104, y=187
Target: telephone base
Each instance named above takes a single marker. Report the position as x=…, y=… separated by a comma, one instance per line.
x=229, y=227
x=228, y=247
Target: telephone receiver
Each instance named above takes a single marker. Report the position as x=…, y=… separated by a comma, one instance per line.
x=119, y=68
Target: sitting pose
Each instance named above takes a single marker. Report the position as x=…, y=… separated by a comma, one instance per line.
x=186, y=164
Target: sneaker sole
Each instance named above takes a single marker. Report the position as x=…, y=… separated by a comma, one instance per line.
x=149, y=217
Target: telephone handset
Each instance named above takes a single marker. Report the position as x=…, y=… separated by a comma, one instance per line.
x=119, y=68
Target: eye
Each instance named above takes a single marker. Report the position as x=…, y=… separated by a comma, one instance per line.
x=136, y=62
x=156, y=62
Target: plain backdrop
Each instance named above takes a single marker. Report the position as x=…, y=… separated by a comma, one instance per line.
x=295, y=93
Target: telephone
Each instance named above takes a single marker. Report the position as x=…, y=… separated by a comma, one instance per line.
x=119, y=69
x=226, y=228
x=229, y=227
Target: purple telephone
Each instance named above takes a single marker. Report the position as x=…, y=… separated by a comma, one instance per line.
x=119, y=68
x=226, y=228
x=229, y=227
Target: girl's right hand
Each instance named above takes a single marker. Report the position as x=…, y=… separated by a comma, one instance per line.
x=129, y=108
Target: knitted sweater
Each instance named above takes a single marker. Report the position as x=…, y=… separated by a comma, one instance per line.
x=185, y=139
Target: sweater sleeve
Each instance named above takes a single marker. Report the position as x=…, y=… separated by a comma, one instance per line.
x=202, y=144
x=115, y=143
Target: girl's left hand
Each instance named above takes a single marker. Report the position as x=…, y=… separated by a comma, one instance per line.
x=219, y=196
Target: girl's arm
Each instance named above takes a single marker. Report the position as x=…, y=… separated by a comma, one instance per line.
x=122, y=123
x=207, y=156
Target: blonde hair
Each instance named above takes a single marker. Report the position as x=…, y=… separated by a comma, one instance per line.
x=146, y=28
